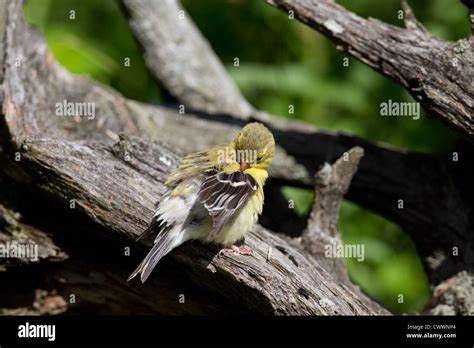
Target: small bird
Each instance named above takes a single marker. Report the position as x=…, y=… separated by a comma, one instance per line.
x=214, y=196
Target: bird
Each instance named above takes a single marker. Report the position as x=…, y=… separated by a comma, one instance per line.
x=213, y=196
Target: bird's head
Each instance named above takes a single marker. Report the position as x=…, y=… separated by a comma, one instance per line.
x=254, y=146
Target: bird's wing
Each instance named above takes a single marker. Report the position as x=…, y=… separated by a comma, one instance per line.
x=201, y=163
x=222, y=194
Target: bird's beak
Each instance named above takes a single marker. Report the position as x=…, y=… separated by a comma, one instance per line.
x=244, y=165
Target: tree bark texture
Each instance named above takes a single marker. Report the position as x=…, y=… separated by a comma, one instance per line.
x=437, y=73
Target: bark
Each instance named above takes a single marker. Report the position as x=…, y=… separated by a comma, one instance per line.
x=332, y=183
x=114, y=179
x=437, y=74
x=178, y=55
x=15, y=233
x=119, y=195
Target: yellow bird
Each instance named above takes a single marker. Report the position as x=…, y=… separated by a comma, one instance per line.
x=214, y=196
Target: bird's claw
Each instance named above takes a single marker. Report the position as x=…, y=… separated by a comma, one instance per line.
x=241, y=250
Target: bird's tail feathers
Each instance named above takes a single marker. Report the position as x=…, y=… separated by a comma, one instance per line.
x=166, y=241
x=157, y=225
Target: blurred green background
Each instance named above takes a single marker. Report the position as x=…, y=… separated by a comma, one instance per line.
x=282, y=63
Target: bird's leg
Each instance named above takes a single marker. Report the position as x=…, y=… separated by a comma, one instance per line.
x=226, y=250
x=242, y=250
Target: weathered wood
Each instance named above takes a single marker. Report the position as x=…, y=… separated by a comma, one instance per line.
x=438, y=74
x=15, y=235
x=332, y=183
x=453, y=296
x=119, y=194
x=179, y=56
x=88, y=284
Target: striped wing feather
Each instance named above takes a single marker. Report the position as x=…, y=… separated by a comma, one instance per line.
x=222, y=194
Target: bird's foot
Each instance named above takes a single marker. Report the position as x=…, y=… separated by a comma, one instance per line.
x=241, y=250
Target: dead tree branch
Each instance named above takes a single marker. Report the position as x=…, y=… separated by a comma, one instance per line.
x=180, y=57
x=119, y=195
x=438, y=74
x=332, y=183
x=15, y=234
x=411, y=23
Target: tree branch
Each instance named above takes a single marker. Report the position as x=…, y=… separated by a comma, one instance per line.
x=453, y=296
x=436, y=73
x=332, y=183
x=439, y=75
x=15, y=234
x=180, y=58
x=119, y=194
x=411, y=23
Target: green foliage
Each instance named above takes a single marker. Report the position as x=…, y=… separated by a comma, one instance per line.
x=302, y=198
x=391, y=266
x=282, y=63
